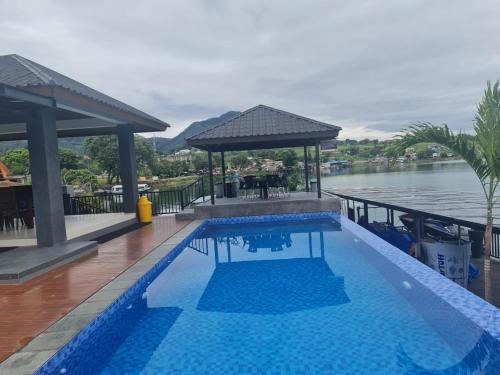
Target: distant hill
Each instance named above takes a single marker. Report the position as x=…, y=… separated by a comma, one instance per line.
x=75, y=144
x=167, y=145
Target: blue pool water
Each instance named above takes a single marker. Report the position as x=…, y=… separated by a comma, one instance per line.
x=293, y=297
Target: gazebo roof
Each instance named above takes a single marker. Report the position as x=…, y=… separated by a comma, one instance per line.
x=263, y=127
x=80, y=110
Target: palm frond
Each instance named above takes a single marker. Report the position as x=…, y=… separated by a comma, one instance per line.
x=461, y=144
x=487, y=127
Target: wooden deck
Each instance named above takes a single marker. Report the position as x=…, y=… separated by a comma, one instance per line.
x=28, y=309
x=478, y=286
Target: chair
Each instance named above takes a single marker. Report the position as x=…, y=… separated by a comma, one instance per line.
x=24, y=200
x=250, y=184
x=284, y=185
x=275, y=186
x=9, y=215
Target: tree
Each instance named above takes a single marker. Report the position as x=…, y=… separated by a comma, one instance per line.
x=79, y=177
x=18, y=161
x=240, y=160
x=166, y=169
x=392, y=151
x=289, y=157
x=481, y=151
x=104, y=151
x=69, y=159
x=145, y=155
x=199, y=161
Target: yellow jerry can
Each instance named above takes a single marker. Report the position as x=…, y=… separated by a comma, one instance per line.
x=145, y=209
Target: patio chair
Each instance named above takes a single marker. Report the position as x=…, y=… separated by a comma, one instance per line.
x=9, y=216
x=251, y=185
x=275, y=185
x=24, y=200
x=284, y=185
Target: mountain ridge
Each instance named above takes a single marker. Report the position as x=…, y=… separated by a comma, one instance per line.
x=163, y=144
x=179, y=141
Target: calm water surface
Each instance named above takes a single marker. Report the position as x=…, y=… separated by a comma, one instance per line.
x=441, y=176
x=448, y=188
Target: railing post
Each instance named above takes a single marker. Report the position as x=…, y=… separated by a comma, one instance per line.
x=182, y=199
x=365, y=210
x=203, y=187
x=417, y=232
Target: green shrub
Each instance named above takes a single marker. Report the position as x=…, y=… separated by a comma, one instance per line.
x=293, y=182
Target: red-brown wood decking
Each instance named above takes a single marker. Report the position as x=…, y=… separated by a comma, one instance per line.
x=28, y=309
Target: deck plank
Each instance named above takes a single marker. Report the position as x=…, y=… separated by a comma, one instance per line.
x=30, y=308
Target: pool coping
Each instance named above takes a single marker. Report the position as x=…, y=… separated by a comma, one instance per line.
x=44, y=346
x=47, y=344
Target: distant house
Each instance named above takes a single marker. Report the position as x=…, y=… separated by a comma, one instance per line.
x=411, y=153
x=181, y=155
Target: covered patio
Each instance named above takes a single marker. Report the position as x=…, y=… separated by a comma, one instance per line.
x=263, y=127
x=40, y=105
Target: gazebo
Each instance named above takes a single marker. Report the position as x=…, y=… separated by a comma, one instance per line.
x=40, y=105
x=263, y=127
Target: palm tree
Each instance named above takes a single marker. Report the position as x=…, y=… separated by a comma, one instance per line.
x=481, y=150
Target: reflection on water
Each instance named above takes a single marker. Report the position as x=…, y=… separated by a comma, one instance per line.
x=264, y=285
x=272, y=287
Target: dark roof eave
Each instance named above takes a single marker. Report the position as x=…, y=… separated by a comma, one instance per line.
x=261, y=142
x=26, y=96
x=74, y=102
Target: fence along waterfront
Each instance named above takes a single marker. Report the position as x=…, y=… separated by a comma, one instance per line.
x=164, y=201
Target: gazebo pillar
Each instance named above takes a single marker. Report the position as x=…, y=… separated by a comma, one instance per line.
x=128, y=167
x=46, y=177
x=211, y=177
x=318, y=170
x=223, y=168
x=306, y=168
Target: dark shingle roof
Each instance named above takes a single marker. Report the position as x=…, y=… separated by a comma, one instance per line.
x=20, y=72
x=265, y=124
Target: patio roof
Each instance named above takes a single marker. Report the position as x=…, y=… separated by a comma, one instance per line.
x=264, y=127
x=79, y=109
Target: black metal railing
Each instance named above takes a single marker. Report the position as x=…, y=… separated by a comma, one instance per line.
x=364, y=205
x=164, y=201
x=192, y=192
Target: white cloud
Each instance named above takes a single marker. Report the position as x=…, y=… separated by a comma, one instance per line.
x=380, y=64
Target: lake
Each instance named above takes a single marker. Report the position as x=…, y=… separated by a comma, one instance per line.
x=453, y=175
x=448, y=188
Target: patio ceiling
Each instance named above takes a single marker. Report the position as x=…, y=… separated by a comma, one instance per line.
x=79, y=109
x=263, y=127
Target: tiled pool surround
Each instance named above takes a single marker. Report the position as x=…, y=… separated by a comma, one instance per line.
x=478, y=311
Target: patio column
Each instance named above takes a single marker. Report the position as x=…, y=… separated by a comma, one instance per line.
x=318, y=170
x=46, y=177
x=223, y=167
x=306, y=168
x=128, y=167
x=211, y=177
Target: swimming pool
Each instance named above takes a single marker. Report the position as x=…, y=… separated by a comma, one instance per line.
x=311, y=293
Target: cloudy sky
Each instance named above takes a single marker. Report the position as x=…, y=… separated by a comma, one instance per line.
x=371, y=67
